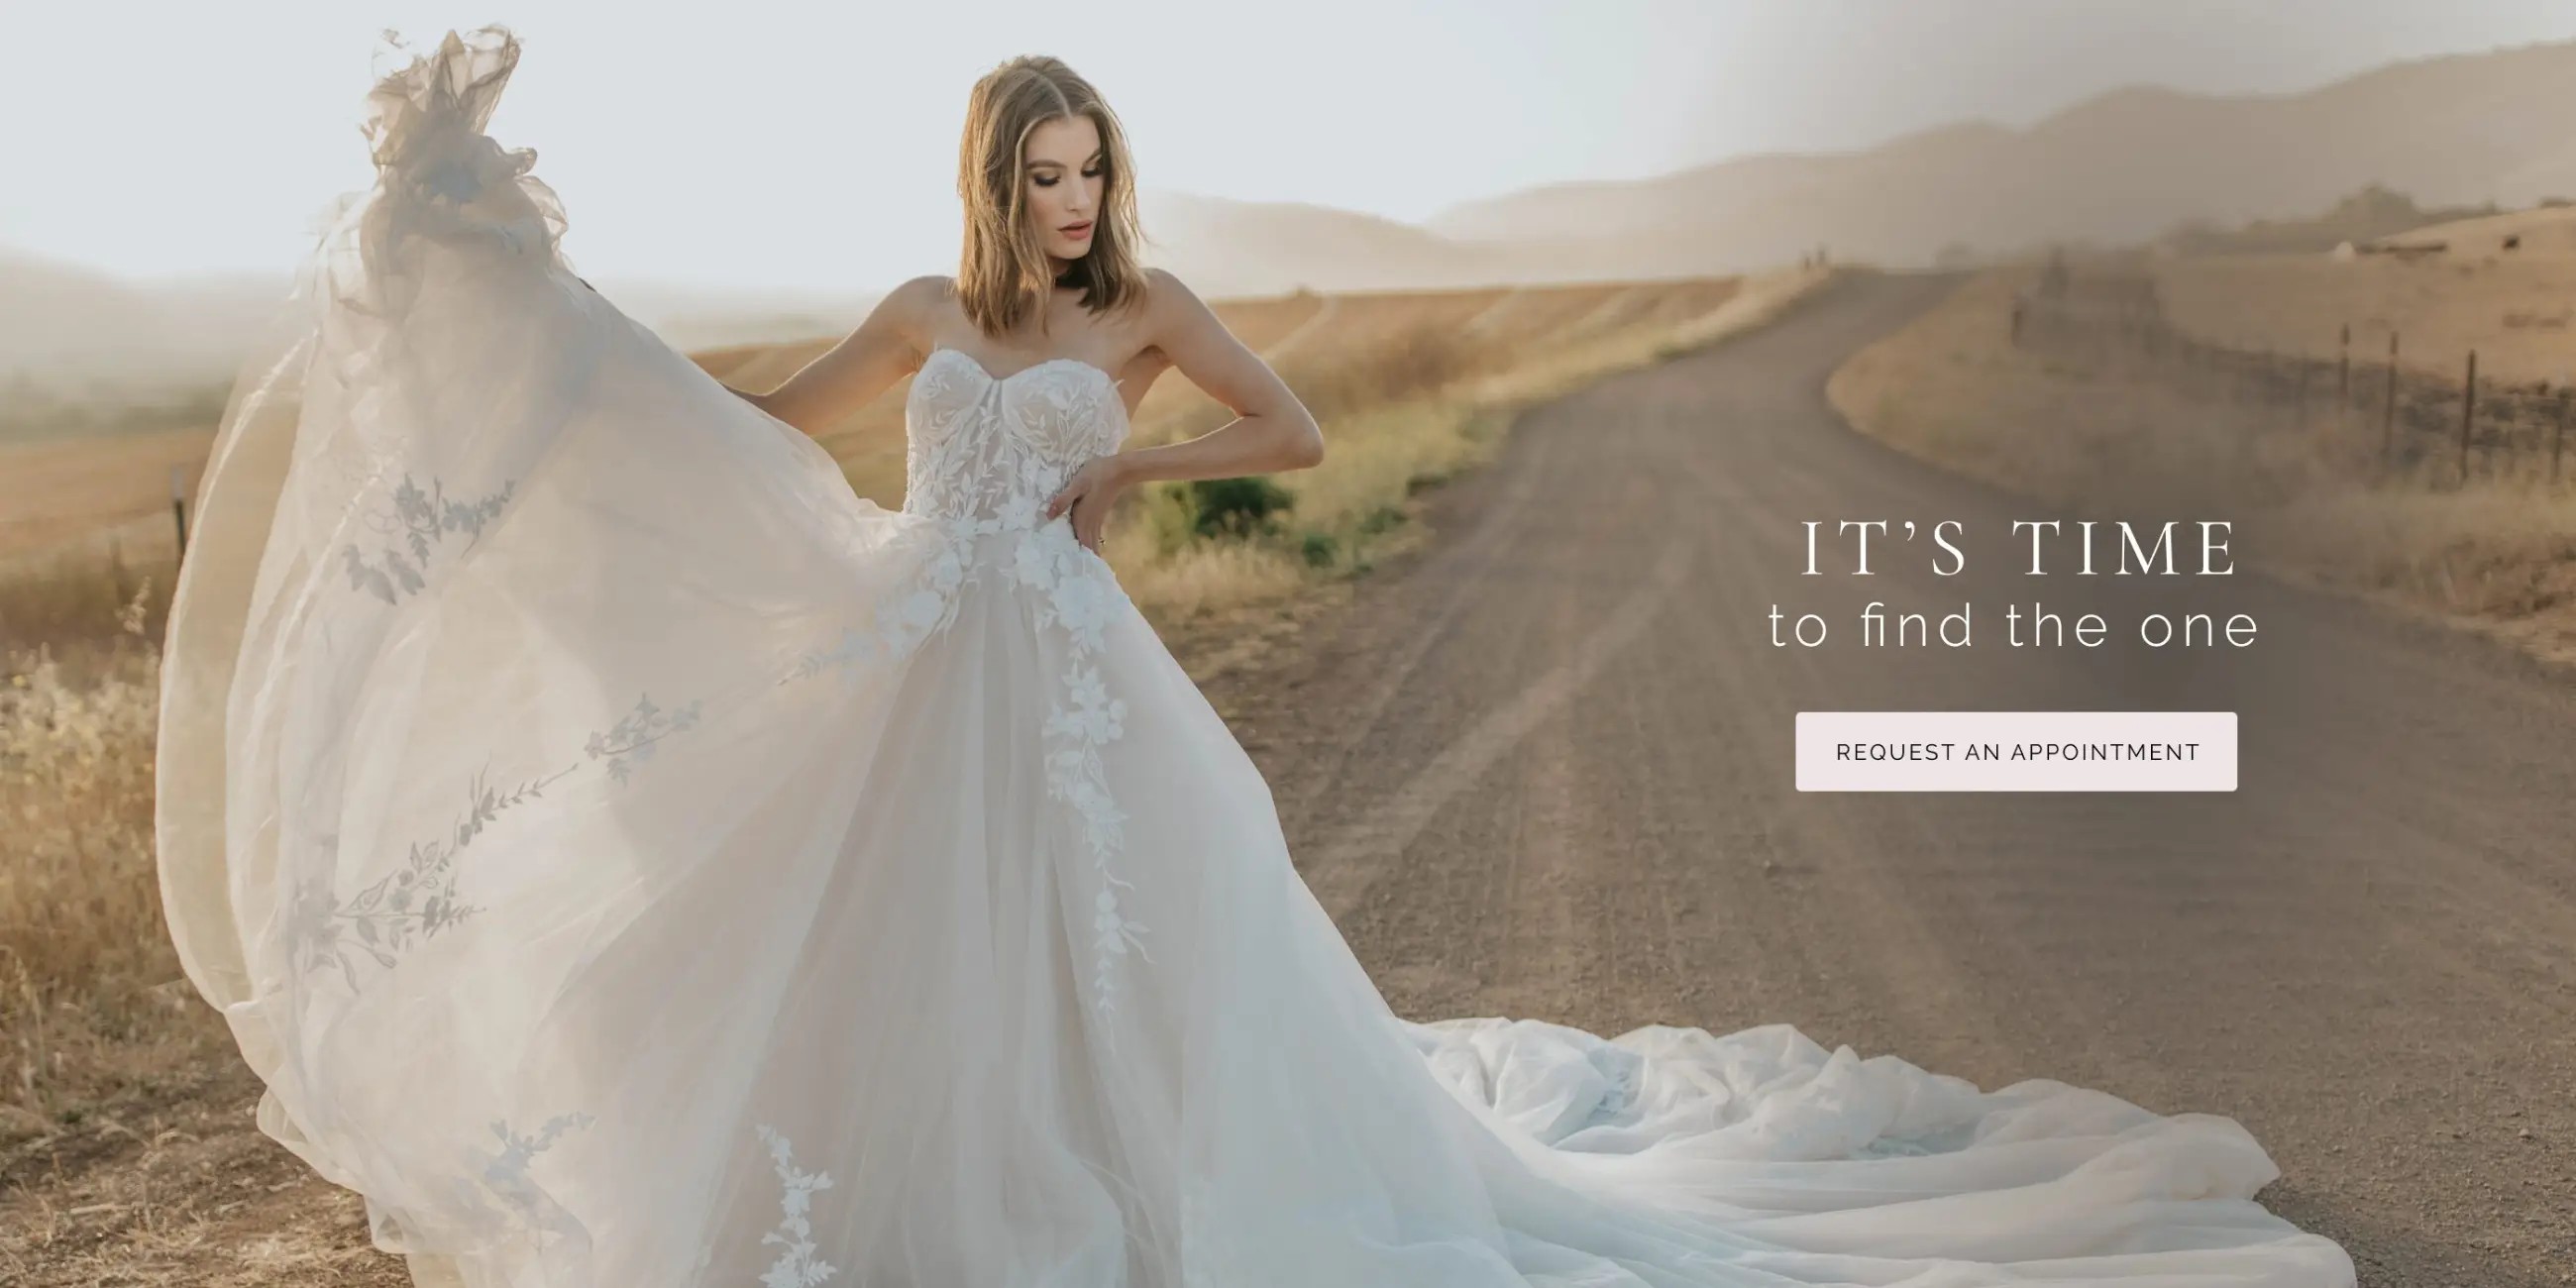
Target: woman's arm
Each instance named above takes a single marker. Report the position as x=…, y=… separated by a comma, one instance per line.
x=880, y=351
x=1272, y=432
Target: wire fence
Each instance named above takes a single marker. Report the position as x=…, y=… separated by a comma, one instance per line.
x=2449, y=427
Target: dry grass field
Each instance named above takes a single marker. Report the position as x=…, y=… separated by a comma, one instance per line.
x=2314, y=498
x=2462, y=289
x=80, y=494
x=2516, y=310
x=127, y=1154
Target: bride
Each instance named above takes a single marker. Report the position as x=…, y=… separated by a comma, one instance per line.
x=631, y=858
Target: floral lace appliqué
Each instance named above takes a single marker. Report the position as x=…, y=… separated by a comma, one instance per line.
x=506, y=1175
x=797, y=1266
x=925, y=607
x=1080, y=591
x=983, y=455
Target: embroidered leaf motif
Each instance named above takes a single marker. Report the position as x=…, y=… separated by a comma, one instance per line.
x=407, y=905
x=419, y=898
x=419, y=521
x=630, y=741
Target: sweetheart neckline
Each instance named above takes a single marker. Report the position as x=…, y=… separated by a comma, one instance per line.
x=987, y=372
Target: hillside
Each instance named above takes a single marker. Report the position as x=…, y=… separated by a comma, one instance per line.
x=2122, y=167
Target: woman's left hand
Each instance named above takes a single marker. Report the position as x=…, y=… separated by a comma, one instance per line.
x=1089, y=494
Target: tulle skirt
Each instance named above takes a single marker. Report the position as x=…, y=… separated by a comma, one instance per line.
x=630, y=858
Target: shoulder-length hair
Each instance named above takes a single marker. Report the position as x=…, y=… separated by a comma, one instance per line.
x=1003, y=274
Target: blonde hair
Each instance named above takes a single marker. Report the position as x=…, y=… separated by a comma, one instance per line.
x=1003, y=274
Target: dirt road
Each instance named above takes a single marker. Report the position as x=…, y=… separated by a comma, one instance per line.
x=1544, y=768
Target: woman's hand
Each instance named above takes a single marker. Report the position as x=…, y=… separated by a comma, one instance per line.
x=1089, y=494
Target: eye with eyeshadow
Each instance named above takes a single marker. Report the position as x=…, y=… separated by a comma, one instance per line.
x=1049, y=180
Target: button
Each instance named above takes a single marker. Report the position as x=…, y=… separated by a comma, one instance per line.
x=2016, y=751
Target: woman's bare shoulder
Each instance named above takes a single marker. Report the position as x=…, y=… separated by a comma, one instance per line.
x=912, y=309
x=1170, y=305
x=921, y=296
x=1163, y=287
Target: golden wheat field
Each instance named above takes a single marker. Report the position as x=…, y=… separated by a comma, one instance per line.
x=125, y=1144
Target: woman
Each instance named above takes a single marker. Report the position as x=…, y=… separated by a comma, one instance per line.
x=630, y=858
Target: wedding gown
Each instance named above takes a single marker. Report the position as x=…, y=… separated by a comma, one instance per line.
x=630, y=858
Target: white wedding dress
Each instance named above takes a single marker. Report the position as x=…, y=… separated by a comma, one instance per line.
x=632, y=860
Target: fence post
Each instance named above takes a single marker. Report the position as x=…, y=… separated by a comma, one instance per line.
x=2343, y=368
x=2468, y=411
x=2558, y=436
x=179, y=510
x=2388, y=409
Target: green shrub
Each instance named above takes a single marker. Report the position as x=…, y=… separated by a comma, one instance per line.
x=1237, y=507
x=1171, y=518
x=1319, y=548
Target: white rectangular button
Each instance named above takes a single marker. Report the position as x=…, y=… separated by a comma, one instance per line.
x=2016, y=751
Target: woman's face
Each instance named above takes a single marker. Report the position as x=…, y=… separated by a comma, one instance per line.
x=1066, y=175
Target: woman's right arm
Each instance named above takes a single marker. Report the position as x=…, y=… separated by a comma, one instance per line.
x=881, y=350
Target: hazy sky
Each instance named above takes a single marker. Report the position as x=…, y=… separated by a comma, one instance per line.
x=769, y=143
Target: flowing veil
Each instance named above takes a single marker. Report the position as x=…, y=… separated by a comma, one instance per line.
x=628, y=856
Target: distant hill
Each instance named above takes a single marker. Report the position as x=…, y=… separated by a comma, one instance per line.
x=2121, y=168
x=2370, y=215
x=68, y=327
x=1238, y=248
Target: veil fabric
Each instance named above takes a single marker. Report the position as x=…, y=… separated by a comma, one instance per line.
x=628, y=857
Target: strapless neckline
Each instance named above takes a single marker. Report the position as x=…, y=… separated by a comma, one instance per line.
x=1041, y=364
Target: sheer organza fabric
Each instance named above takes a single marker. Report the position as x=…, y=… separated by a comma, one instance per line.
x=631, y=858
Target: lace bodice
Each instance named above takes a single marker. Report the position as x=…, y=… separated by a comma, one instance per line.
x=991, y=450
